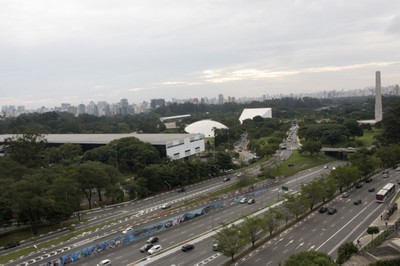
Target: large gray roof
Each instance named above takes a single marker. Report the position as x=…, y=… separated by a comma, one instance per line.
x=154, y=139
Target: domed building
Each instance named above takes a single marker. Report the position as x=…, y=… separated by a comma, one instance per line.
x=205, y=127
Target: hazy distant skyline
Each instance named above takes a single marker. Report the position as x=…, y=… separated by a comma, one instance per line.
x=78, y=51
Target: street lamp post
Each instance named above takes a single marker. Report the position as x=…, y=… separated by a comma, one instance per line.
x=165, y=181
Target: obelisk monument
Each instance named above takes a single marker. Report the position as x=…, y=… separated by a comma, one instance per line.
x=378, y=97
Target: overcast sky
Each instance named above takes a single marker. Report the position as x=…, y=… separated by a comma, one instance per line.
x=78, y=51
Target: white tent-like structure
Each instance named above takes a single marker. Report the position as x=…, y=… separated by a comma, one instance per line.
x=205, y=127
x=253, y=112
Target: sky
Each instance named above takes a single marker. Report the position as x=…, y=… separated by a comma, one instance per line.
x=77, y=51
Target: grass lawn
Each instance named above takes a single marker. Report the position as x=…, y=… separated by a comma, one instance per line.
x=300, y=162
x=368, y=138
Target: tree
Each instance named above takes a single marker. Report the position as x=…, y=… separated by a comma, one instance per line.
x=365, y=161
x=309, y=258
x=230, y=240
x=271, y=220
x=345, y=176
x=65, y=154
x=389, y=155
x=372, y=230
x=27, y=149
x=391, y=124
x=31, y=201
x=311, y=147
x=94, y=176
x=252, y=229
x=313, y=192
x=294, y=205
x=345, y=251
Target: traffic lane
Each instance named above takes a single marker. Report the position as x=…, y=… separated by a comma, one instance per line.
x=192, y=257
x=171, y=237
x=318, y=232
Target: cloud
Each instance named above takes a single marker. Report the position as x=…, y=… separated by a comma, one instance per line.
x=221, y=76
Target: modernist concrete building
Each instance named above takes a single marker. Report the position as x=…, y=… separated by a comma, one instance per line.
x=174, y=146
x=250, y=113
x=205, y=127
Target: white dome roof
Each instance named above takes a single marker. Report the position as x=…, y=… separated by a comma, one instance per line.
x=205, y=127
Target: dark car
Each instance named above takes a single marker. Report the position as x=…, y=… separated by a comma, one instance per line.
x=367, y=180
x=332, y=210
x=152, y=240
x=181, y=189
x=227, y=179
x=358, y=185
x=323, y=210
x=356, y=202
x=371, y=189
x=187, y=247
x=146, y=247
x=11, y=245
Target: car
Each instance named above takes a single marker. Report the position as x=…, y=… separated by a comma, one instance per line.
x=152, y=240
x=385, y=175
x=146, y=247
x=127, y=230
x=154, y=249
x=105, y=262
x=227, y=179
x=357, y=202
x=359, y=185
x=12, y=244
x=345, y=194
x=244, y=200
x=251, y=201
x=371, y=189
x=332, y=210
x=333, y=168
x=323, y=210
x=326, y=167
x=181, y=189
x=398, y=168
x=187, y=247
x=166, y=205
x=368, y=180
x=215, y=246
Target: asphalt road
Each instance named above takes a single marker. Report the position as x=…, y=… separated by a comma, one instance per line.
x=324, y=232
x=177, y=236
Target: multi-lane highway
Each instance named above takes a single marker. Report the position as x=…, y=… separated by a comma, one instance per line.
x=189, y=231
x=324, y=232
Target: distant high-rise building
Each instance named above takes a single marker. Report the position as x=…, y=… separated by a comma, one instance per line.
x=396, y=90
x=65, y=106
x=378, y=97
x=81, y=109
x=220, y=99
x=154, y=103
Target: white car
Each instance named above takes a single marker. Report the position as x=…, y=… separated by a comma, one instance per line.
x=154, y=249
x=104, y=263
x=244, y=200
x=166, y=205
x=127, y=230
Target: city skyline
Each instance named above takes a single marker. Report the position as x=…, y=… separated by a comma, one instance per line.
x=77, y=52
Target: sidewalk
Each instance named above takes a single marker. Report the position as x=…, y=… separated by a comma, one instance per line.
x=389, y=248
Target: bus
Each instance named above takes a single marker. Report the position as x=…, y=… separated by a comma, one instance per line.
x=386, y=192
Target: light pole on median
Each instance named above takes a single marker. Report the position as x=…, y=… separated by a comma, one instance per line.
x=165, y=181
